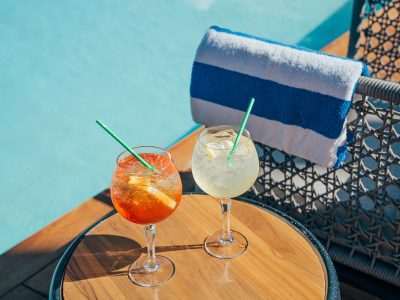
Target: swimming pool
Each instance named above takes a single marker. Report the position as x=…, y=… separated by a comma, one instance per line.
x=65, y=64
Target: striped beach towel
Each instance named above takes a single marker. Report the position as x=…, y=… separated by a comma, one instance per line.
x=302, y=96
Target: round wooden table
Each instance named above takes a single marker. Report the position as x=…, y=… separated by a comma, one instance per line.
x=283, y=261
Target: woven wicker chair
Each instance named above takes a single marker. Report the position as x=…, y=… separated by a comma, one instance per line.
x=355, y=210
x=375, y=37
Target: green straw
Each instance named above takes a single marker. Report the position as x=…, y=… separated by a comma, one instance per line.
x=144, y=163
x=246, y=116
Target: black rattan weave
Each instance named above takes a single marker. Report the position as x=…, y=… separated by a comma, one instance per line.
x=379, y=38
x=354, y=210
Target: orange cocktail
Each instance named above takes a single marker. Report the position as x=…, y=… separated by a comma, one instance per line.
x=143, y=196
x=146, y=196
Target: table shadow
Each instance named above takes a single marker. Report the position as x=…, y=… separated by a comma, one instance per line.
x=109, y=255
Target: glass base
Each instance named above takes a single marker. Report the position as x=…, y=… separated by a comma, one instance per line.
x=220, y=248
x=140, y=275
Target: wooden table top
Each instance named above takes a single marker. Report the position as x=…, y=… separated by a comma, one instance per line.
x=280, y=263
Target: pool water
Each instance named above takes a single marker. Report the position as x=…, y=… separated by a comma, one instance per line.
x=64, y=64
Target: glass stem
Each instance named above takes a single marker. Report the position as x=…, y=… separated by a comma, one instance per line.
x=226, y=236
x=152, y=263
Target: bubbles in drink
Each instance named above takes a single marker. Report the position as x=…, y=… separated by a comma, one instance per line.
x=210, y=167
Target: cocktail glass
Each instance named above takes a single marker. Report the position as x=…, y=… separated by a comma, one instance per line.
x=147, y=197
x=218, y=178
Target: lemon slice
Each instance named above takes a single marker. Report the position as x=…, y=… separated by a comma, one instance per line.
x=211, y=153
x=162, y=197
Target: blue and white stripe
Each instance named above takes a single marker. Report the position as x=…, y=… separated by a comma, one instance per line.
x=302, y=96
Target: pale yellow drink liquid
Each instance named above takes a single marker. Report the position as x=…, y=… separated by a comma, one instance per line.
x=211, y=170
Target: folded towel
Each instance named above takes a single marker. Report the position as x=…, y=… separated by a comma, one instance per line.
x=302, y=96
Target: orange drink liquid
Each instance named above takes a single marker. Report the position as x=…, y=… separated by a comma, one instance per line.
x=143, y=196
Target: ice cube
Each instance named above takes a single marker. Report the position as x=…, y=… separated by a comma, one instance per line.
x=243, y=147
x=219, y=148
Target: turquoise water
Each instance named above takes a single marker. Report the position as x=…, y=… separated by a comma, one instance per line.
x=65, y=63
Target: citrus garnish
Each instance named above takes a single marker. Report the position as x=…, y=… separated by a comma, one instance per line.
x=143, y=183
x=162, y=197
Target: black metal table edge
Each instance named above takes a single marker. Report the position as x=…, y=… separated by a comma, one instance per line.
x=333, y=292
